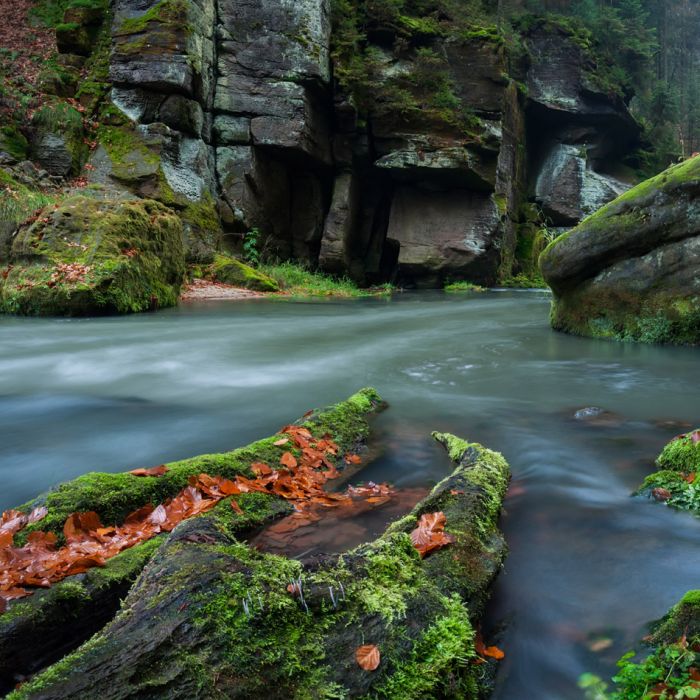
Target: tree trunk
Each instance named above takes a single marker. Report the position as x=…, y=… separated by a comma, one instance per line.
x=210, y=617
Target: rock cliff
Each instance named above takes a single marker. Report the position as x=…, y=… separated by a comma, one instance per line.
x=380, y=146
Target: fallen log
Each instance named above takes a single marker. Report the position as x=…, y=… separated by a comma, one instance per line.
x=42, y=628
x=212, y=617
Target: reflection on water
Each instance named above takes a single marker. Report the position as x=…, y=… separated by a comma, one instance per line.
x=586, y=562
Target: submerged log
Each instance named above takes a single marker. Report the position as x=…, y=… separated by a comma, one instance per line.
x=42, y=628
x=212, y=617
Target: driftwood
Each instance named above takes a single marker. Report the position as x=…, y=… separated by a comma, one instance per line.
x=211, y=617
x=42, y=628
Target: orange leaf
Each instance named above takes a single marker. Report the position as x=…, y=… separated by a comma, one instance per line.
x=261, y=469
x=288, y=460
x=429, y=535
x=353, y=459
x=236, y=507
x=494, y=653
x=153, y=471
x=482, y=650
x=281, y=442
x=368, y=657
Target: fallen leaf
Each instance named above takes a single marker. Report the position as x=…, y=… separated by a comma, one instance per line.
x=261, y=469
x=494, y=653
x=601, y=644
x=153, y=471
x=236, y=507
x=281, y=442
x=288, y=460
x=661, y=494
x=353, y=459
x=482, y=650
x=429, y=534
x=368, y=657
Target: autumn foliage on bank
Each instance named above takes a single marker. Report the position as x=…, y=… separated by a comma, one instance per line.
x=300, y=479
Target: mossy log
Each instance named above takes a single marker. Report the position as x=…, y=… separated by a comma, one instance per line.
x=40, y=629
x=211, y=617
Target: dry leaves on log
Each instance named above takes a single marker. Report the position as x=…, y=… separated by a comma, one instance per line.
x=368, y=657
x=88, y=543
x=430, y=533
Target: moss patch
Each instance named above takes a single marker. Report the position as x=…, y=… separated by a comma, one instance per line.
x=95, y=256
x=229, y=270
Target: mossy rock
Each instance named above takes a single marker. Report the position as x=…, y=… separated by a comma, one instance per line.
x=677, y=482
x=90, y=256
x=682, y=454
x=12, y=141
x=671, y=665
x=629, y=271
x=229, y=270
x=74, y=38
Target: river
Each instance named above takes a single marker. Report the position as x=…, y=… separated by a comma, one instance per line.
x=588, y=567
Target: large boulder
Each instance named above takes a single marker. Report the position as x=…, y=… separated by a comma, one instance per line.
x=629, y=271
x=92, y=256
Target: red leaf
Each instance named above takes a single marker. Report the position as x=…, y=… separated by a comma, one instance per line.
x=368, y=657
x=661, y=494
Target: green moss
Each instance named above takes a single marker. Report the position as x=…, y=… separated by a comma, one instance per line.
x=67, y=27
x=124, y=146
x=18, y=202
x=130, y=254
x=229, y=270
x=682, y=454
x=169, y=12
x=12, y=141
x=455, y=446
x=298, y=281
x=431, y=663
x=463, y=286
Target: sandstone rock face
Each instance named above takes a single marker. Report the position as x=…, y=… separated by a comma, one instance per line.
x=226, y=111
x=577, y=130
x=630, y=270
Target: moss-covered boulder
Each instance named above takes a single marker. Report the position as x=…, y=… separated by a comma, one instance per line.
x=92, y=256
x=40, y=629
x=677, y=481
x=212, y=617
x=629, y=271
x=229, y=270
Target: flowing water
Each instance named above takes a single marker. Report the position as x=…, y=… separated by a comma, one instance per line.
x=588, y=567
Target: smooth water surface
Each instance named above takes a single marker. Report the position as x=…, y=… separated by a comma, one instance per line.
x=588, y=568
